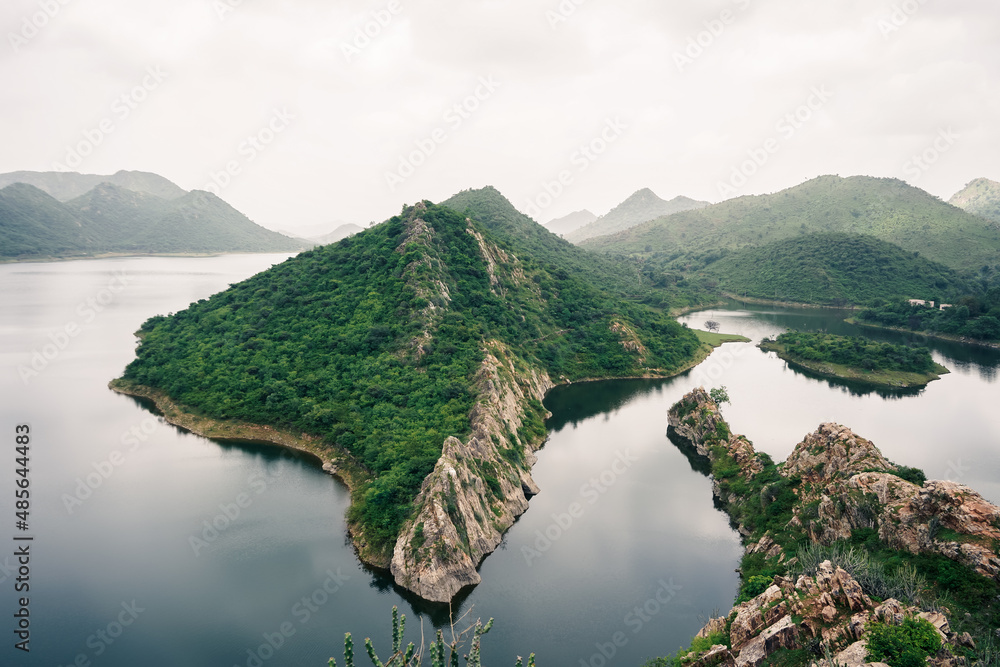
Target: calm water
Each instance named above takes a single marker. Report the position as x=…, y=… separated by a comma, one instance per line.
x=622, y=544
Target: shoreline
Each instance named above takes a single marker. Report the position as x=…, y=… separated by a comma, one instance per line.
x=119, y=255
x=787, y=304
x=335, y=462
x=951, y=338
x=885, y=379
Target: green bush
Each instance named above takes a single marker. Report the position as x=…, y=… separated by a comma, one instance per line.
x=752, y=587
x=905, y=645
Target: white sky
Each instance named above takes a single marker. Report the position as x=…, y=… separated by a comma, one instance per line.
x=229, y=64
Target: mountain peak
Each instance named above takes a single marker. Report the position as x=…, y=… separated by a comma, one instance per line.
x=641, y=206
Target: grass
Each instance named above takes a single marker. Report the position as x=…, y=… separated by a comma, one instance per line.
x=882, y=378
x=717, y=339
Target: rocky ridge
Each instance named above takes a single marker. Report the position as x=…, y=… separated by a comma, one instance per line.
x=839, y=482
x=478, y=487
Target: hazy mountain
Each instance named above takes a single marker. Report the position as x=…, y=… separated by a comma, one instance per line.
x=570, y=223
x=341, y=232
x=886, y=208
x=112, y=219
x=640, y=207
x=67, y=185
x=980, y=197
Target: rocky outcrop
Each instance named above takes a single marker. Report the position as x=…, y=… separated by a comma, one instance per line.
x=841, y=482
x=696, y=419
x=833, y=452
x=478, y=487
x=829, y=607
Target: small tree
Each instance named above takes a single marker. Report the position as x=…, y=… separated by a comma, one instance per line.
x=719, y=394
x=711, y=325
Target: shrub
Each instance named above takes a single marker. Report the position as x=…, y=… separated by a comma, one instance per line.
x=752, y=587
x=905, y=645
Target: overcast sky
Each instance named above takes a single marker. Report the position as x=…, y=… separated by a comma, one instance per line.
x=704, y=99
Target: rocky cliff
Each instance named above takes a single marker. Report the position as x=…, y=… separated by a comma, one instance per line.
x=478, y=487
x=832, y=484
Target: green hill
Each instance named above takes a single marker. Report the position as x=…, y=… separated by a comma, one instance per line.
x=624, y=277
x=980, y=197
x=834, y=269
x=642, y=206
x=67, y=185
x=377, y=346
x=33, y=222
x=888, y=209
x=112, y=219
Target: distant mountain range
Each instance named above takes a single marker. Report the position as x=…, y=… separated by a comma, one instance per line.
x=885, y=208
x=64, y=214
x=66, y=185
x=570, y=223
x=640, y=207
x=980, y=197
x=341, y=232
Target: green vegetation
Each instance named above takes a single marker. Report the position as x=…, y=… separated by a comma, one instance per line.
x=980, y=197
x=624, y=278
x=719, y=394
x=717, y=339
x=904, y=645
x=412, y=657
x=970, y=317
x=373, y=343
x=856, y=358
x=832, y=269
x=686, y=656
x=888, y=209
x=113, y=219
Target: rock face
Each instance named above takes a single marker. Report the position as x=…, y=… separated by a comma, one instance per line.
x=841, y=482
x=829, y=607
x=478, y=487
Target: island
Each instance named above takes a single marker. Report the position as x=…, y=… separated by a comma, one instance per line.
x=412, y=359
x=856, y=358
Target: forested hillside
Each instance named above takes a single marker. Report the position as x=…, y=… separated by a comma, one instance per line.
x=835, y=269
x=886, y=208
x=372, y=343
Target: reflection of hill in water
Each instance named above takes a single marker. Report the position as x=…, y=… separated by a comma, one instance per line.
x=573, y=403
x=852, y=387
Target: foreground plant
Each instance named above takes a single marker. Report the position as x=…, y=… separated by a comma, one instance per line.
x=411, y=657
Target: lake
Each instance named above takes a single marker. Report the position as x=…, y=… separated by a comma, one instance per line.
x=154, y=546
